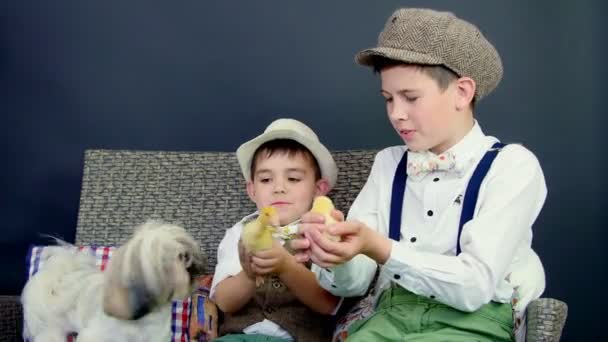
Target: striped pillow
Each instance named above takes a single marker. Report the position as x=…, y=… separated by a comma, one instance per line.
x=180, y=309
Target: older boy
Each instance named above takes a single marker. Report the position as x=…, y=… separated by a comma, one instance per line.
x=286, y=167
x=448, y=216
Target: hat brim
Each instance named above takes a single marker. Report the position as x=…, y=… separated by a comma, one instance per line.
x=326, y=162
x=366, y=57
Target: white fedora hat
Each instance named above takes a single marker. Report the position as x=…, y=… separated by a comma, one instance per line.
x=294, y=130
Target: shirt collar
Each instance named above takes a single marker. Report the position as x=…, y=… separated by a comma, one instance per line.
x=467, y=148
x=284, y=232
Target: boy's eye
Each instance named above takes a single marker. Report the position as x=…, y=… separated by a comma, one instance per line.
x=293, y=179
x=388, y=99
x=264, y=180
x=411, y=98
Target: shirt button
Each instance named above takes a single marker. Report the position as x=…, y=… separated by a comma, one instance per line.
x=430, y=213
x=413, y=239
x=328, y=270
x=432, y=297
x=333, y=285
x=397, y=277
x=435, y=179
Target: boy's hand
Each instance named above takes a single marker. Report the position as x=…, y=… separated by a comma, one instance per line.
x=245, y=259
x=301, y=244
x=271, y=261
x=356, y=238
x=327, y=253
x=315, y=245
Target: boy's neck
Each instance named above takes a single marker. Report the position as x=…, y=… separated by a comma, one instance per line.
x=291, y=223
x=458, y=134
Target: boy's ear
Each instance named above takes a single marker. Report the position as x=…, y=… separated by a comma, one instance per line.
x=465, y=91
x=322, y=187
x=251, y=191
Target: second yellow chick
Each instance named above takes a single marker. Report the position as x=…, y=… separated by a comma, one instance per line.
x=324, y=206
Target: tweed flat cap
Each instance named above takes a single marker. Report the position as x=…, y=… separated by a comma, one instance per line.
x=424, y=36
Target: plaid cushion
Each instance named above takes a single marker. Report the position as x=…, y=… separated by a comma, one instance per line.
x=360, y=311
x=180, y=309
x=205, y=316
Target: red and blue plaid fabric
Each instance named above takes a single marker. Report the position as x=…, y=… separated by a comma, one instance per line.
x=180, y=309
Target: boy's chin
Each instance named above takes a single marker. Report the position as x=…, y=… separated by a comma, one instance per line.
x=416, y=147
x=287, y=218
x=286, y=222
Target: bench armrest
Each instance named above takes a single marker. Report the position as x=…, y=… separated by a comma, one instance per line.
x=11, y=318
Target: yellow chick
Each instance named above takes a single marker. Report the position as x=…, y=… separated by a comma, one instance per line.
x=324, y=206
x=257, y=234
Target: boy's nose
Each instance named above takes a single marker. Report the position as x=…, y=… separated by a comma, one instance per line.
x=396, y=115
x=279, y=187
x=398, y=112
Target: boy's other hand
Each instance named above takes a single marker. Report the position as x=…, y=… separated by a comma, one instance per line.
x=271, y=261
x=245, y=259
x=356, y=238
x=301, y=244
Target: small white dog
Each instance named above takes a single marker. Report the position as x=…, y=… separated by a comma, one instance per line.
x=130, y=301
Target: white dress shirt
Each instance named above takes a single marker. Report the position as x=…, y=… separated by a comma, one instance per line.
x=228, y=263
x=496, y=252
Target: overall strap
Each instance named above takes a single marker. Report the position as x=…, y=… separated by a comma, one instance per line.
x=397, y=199
x=472, y=191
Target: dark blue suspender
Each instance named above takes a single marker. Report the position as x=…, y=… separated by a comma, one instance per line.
x=397, y=199
x=470, y=195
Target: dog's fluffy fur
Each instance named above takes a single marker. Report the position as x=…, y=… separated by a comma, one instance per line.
x=130, y=301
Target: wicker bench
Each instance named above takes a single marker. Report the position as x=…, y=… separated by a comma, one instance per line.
x=203, y=191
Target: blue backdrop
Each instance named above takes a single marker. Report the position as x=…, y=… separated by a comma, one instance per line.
x=206, y=75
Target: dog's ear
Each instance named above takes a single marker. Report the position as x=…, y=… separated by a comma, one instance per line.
x=115, y=294
x=128, y=303
x=122, y=298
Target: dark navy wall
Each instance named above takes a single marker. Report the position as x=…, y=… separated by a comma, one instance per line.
x=203, y=75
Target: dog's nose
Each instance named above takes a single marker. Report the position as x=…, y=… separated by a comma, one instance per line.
x=197, y=267
x=196, y=270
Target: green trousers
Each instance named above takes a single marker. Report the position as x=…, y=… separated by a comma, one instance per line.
x=404, y=316
x=249, y=338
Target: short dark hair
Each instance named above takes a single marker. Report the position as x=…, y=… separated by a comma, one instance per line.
x=441, y=74
x=284, y=146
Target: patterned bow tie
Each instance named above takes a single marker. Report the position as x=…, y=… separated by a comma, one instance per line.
x=287, y=232
x=419, y=164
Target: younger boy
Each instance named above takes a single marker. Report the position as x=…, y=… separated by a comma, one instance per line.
x=286, y=167
x=448, y=217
